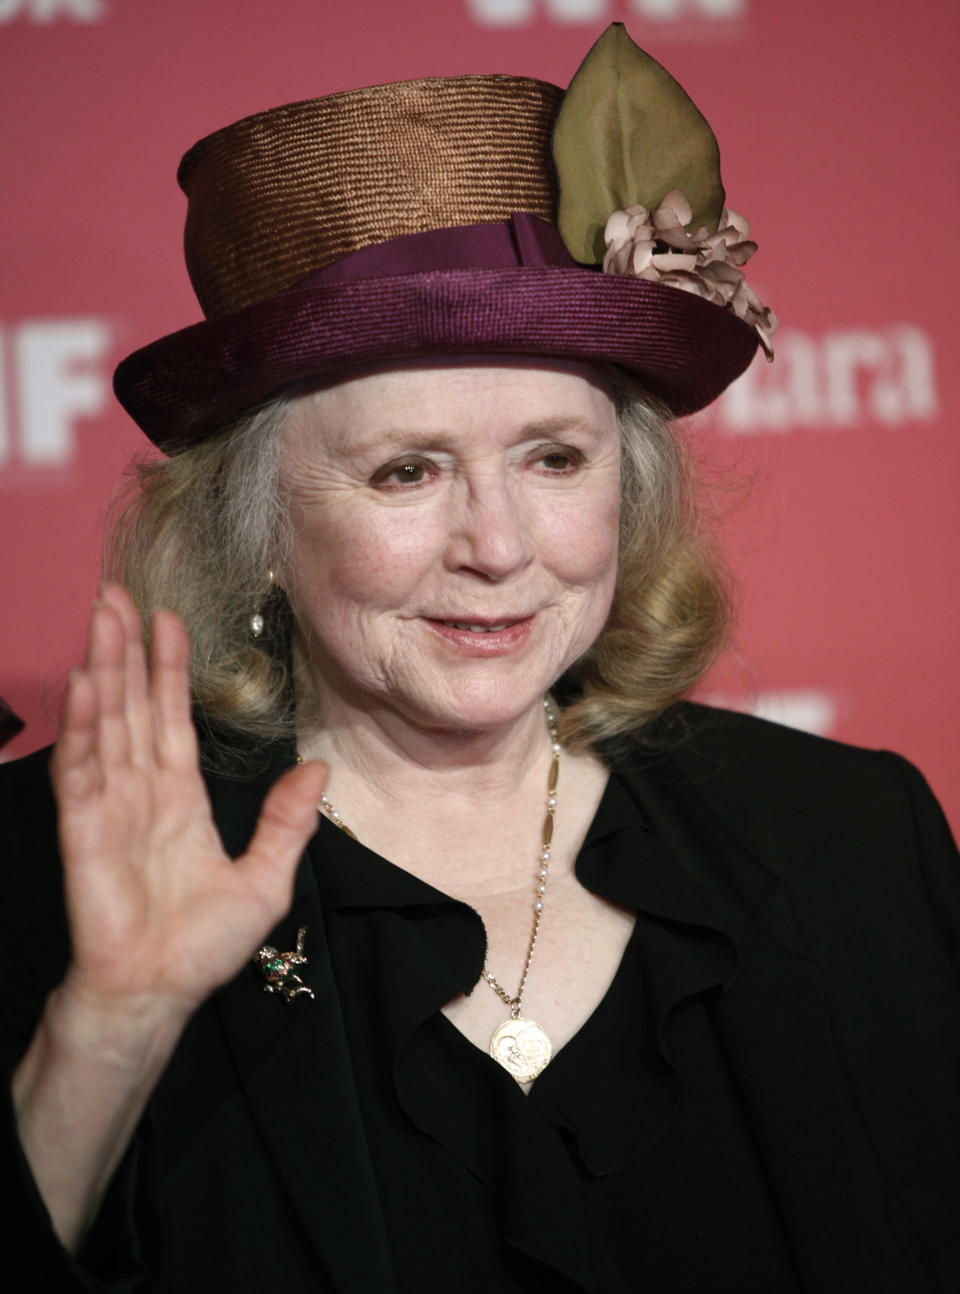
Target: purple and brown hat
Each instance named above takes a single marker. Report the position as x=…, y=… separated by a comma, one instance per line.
x=474, y=214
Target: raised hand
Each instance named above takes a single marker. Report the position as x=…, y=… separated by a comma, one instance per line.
x=159, y=915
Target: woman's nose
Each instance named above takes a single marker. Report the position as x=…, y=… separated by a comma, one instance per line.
x=491, y=534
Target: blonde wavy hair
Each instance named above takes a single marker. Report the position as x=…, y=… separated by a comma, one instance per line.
x=198, y=532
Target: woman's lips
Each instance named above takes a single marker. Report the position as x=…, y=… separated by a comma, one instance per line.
x=482, y=637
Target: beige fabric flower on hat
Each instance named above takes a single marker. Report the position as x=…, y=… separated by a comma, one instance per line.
x=657, y=246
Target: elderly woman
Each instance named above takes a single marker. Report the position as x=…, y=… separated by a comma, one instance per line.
x=568, y=986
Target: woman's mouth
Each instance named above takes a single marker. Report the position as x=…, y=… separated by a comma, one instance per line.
x=481, y=637
x=479, y=629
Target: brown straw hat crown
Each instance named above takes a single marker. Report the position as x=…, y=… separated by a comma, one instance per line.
x=283, y=193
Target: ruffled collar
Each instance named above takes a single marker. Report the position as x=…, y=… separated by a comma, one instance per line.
x=612, y=1091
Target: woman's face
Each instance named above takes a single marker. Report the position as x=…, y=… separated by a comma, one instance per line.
x=430, y=502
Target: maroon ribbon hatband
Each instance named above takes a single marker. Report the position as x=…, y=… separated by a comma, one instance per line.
x=522, y=240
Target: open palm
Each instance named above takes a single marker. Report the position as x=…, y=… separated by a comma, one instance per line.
x=159, y=914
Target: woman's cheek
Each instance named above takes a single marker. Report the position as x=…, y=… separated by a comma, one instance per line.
x=586, y=540
x=382, y=560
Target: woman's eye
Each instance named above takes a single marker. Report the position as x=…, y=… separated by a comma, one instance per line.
x=401, y=474
x=558, y=460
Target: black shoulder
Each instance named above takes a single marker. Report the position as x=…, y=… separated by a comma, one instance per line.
x=776, y=783
x=709, y=740
x=28, y=814
x=29, y=852
x=30, y=770
x=34, y=945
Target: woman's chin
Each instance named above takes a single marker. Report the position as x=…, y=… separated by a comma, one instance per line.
x=484, y=707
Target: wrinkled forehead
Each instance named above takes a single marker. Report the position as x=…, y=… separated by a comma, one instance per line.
x=447, y=394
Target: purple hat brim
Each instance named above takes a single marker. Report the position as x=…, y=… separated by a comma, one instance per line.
x=187, y=385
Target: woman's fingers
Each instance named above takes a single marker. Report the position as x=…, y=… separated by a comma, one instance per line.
x=106, y=660
x=135, y=680
x=175, y=741
x=156, y=700
x=118, y=714
x=287, y=821
x=74, y=765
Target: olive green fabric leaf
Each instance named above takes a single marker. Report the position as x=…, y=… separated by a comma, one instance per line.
x=626, y=134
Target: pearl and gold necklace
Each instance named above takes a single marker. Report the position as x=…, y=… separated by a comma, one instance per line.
x=519, y=1044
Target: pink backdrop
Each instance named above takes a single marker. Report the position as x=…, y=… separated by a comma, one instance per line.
x=838, y=123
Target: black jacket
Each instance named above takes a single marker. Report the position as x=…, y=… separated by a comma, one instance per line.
x=803, y=910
